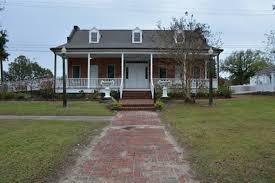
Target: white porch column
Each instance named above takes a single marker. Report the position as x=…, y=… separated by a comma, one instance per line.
x=151, y=75
x=122, y=75
x=89, y=70
x=205, y=69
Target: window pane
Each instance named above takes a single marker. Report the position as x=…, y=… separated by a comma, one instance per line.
x=127, y=73
x=146, y=72
x=196, y=72
x=137, y=37
x=94, y=36
x=76, y=71
x=111, y=71
x=162, y=72
x=180, y=38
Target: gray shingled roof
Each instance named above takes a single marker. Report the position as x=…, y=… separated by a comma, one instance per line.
x=115, y=39
x=266, y=71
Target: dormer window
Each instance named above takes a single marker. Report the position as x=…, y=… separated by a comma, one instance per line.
x=137, y=36
x=179, y=37
x=94, y=36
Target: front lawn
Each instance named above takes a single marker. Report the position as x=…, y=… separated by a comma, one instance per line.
x=85, y=108
x=231, y=142
x=32, y=150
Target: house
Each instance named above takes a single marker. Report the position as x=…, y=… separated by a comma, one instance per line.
x=263, y=81
x=265, y=76
x=131, y=61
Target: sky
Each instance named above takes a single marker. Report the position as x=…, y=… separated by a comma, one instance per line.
x=34, y=26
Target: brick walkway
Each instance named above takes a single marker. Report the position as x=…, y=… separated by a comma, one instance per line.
x=136, y=148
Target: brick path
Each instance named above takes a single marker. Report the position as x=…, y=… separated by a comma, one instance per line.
x=136, y=148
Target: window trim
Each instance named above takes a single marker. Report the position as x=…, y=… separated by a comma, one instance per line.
x=108, y=71
x=136, y=30
x=94, y=30
x=176, y=36
x=78, y=65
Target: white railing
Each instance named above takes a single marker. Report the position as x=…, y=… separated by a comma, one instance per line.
x=242, y=89
x=82, y=83
x=195, y=83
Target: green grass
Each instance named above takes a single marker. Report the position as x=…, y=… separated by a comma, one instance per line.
x=231, y=142
x=32, y=150
x=89, y=108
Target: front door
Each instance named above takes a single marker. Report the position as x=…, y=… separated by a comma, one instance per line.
x=136, y=76
x=94, y=75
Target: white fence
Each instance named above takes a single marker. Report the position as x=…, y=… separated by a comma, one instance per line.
x=243, y=89
x=26, y=85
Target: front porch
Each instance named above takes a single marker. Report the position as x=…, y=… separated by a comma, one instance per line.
x=131, y=71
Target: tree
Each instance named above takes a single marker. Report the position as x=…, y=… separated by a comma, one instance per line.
x=270, y=45
x=241, y=65
x=3, y=53
x=24, y=69
x=185, y=41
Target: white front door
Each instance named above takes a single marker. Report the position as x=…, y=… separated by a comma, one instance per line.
x=136, y=76
x=93, y=75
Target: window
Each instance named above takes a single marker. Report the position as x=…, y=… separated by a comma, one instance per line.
x=94, y=36
x=196, y=72
x=127, y=73
x=162, y=72
x=111, y=71
x=137, y=36
x=76, y=71
x=146, y=72
x=179, y=37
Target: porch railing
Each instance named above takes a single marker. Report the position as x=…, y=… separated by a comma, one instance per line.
x=83, y=83
x=177, y=83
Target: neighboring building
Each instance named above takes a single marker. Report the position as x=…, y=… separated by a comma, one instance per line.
x=131, y=59
x=264, y=76
x=263, y=81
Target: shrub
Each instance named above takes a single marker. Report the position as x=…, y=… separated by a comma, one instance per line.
x=46, y=90
x=21, y=96
x=116, y=105
x=7, y=95
x=224, y=91
x=115, y=94
x=94, y=96
x=159, y=105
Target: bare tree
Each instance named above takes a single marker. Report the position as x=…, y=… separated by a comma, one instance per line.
x=270, y=45
x=187, y=42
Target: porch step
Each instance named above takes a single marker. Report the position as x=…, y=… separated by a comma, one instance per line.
x=137, y=104
x=137, y=95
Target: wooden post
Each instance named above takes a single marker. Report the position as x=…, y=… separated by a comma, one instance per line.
x=218, y=69
x=1, y=69
x=89, y=71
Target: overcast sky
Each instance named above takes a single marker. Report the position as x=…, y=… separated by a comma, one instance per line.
x=36, y=25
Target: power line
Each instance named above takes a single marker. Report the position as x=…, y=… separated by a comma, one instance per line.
x=151, y=10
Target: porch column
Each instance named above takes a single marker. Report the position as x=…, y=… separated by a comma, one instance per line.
x=89, y=69
x=54, y=77
x=122, y=75
x=151, y=75
x=205, y=69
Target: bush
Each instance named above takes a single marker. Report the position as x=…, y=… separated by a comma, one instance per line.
x=115, y=94
x=7, y=95
x=116, y=105
x=22, y=96
x=224, y=91
x=159, y=105
x=94, y=96
x=46, y=90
